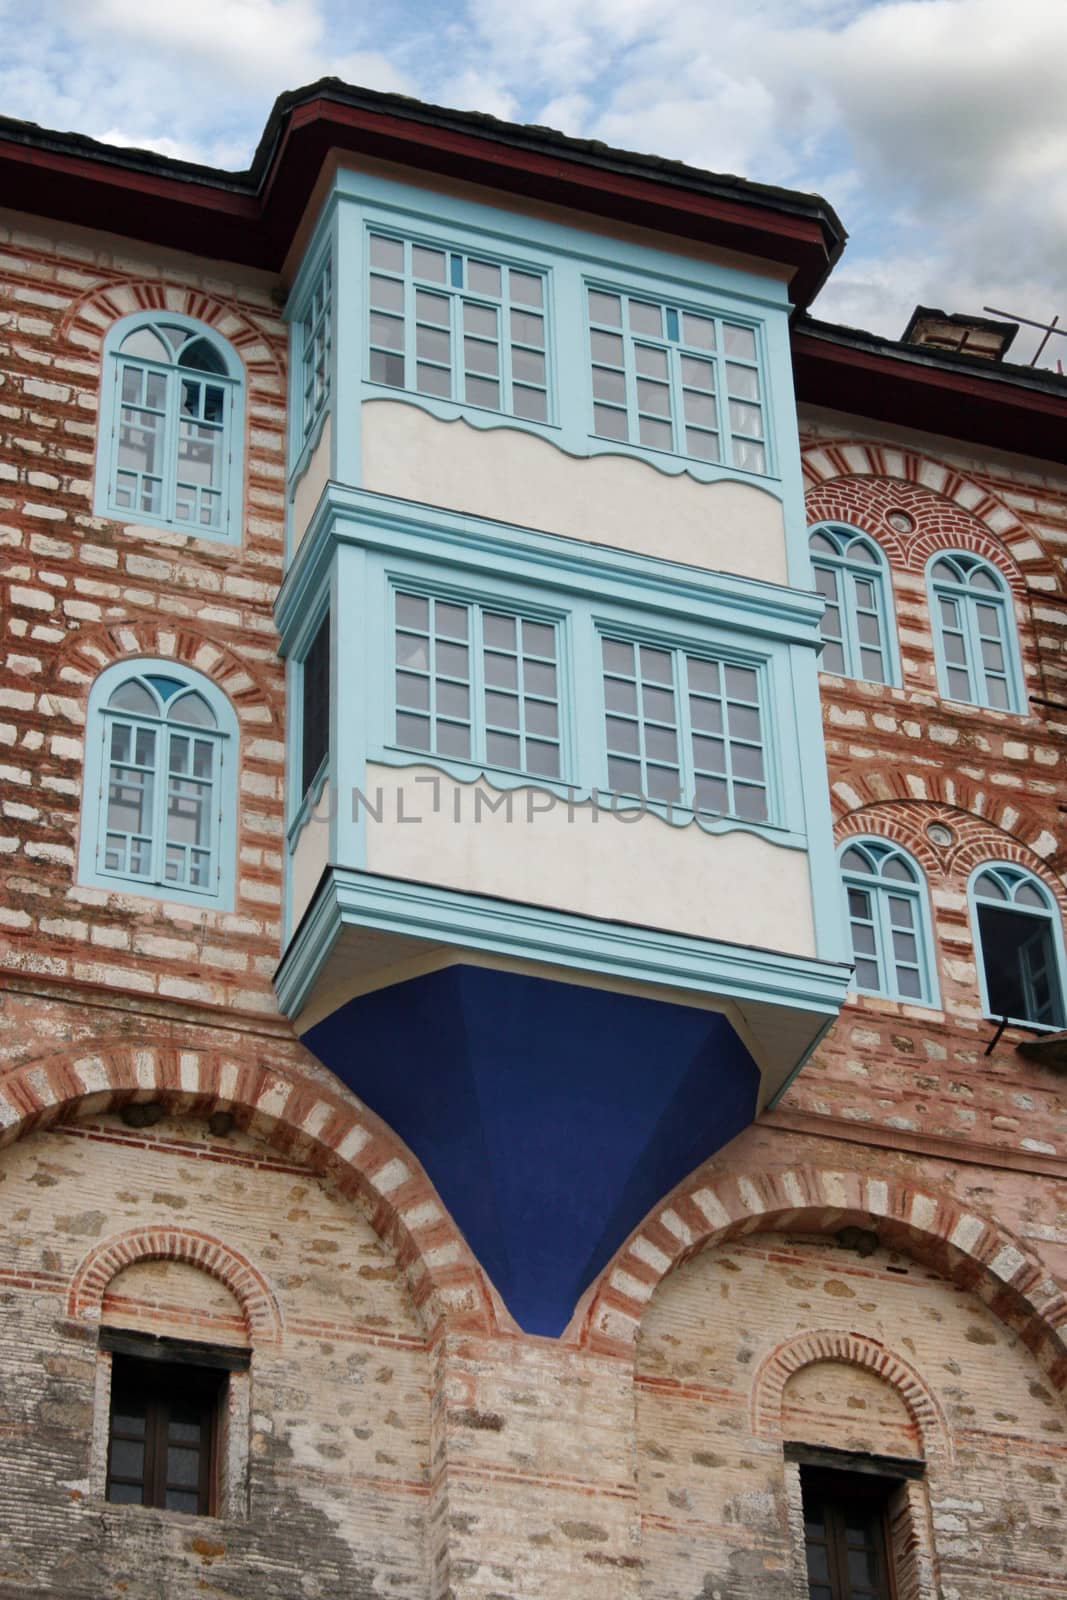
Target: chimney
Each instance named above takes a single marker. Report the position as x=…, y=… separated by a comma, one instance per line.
x=963, y=335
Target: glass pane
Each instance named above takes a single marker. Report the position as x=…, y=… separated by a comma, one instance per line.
x=412, y=611
x=650, y=363
x=620, y=695
x=624, y=776
x=192, y=708
x=386, y=294
x=433, y=380
x=134, y=697
x=182, y=1500
x=414, y=731
x=705, y=715
x=183, y=1468
x=661, y=744
x=526, y=288
x=742, y=383
x=387, y=331
x=480, y=320
x=127, y=1458
x=388, y=253
x=739, y=342
x=412, y=692
x=542, y=758
x=539, y=639
x=658, y=704
x=483, y=277
x=896, y=867
x=453, y=739
x=623, y=736
x=540, y=678
x=527, y=329
x=387, y=369
x=453, y=700
x=451, y=659
x=412, y=652
x=983, y=579
x=605, y=308
x=749, y=457
x=663, y=784
x=711, y=795
x=501, y=672
x=528, y=365
x=646, y=318
x=656, y=665
x=450, y=620
x=542, y=717
x=498, y=630
x=698, y=374
x=705, y=446
x=1027, y=895
x=502, y=710
x=700, y=408
x=610, y=424
x=503, y=749
x=698, y=331
x=618, y=656
x=530, y=403
x=750, y=802
x=867, y=975
x=608, y=384
x=654, y=397
x=428, y=264
x=989, y=887
x=657, y=435
x=481, y=356
x=747, y=761
x=482, y=393
x=433, y=344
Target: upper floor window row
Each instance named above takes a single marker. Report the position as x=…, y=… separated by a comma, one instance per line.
x=975, y=646
x=171, y=427
x=316, y=340
x=484, y=684
x=460, y=326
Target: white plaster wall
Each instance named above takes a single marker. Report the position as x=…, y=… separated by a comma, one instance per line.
x=310, y=484
x=511, y=476
x=309, y=858
x=733, y=886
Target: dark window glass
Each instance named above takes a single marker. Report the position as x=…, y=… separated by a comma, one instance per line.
x=846, y=1534
x=161, y=1434
x=316, y=705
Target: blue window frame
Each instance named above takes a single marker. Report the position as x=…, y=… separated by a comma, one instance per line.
x=457, y=326
x=850, y=573
x=171, y=427
x=974, y=634
x=316, y=341
x=685, y=381
x=1019, y=942
x=160, y=784
x=477, y=683
x=685, y=728
x=889, y=921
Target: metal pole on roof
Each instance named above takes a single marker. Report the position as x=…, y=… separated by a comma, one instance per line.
x=1047, y=328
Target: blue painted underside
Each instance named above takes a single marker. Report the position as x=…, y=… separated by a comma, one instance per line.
x=551, y=1117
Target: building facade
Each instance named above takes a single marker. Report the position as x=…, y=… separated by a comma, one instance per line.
x=531, y=945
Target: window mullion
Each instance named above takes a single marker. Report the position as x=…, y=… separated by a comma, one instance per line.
x=686, y=763
x=479, y=720
x=159, y=809
x=884, y=941
x=976, y=662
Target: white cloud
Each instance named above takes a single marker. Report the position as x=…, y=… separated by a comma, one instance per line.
x=937, y=127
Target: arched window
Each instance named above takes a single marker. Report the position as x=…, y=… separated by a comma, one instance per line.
x=160, y=784
x=1019, y=946
x=974, y=637
x=850, y=573
x=889, y=921
x=171, y=427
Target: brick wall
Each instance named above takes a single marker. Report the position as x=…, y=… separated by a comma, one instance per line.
x=402, y=1438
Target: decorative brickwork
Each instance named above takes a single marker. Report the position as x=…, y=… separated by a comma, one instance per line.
x=831, y=1344
x=247, y=1284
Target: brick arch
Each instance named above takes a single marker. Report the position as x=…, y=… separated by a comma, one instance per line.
x=87, y=320
x=914, y=477
x=969, y=1249
x=85, y=652
x=833, y=1344
x=245, y=1282
x=327, y=1128
x=933, y=792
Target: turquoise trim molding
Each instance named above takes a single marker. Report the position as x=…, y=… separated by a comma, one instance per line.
x=842, y=574
x=569, y=259
x=220, y=895
x=160, y=400
x=347, y=898
x=967, y=602
x=365, y=546
x=883, y=930
x=1010, y=874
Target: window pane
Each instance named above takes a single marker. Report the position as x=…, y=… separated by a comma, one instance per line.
x=739, y=342
x=646, y=318
x=610, y=424
x=483, y=277
x=605, y=308
x=527, y=289
x=650, y=363
x=698, y=331
x=428, y=264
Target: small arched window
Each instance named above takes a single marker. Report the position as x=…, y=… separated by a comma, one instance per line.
x=850, y=574
x=888, y=920
x=171, y=427
x=160, y=784
x=974, y=636
x=1019, y=946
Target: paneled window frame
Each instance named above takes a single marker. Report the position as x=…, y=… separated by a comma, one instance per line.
x=677, y=377
x=170, y=442
x=887, y=912
x=159, y=802
x=455, y=323
x=569, y=700
x=316, y=348
x=858, y=627
x=976, y=644
x=1019, y=946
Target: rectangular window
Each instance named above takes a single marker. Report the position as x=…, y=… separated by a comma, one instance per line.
x=846, y=1534
x=685, y=728
x=671, y=379
x=315, y=706
x=162, y=1433
x=315, y=349
x=458, y=327
x=477, y=683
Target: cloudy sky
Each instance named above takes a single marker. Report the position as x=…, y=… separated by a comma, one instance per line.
x=937, y=128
